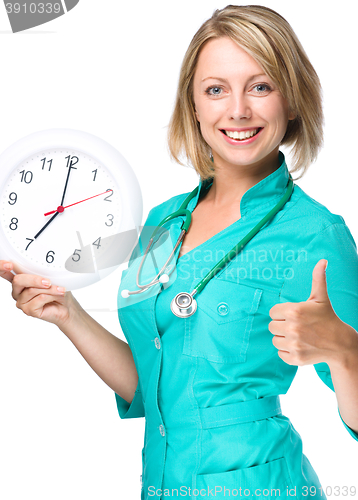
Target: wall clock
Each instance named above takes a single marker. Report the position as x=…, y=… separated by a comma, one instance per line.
x=70, y=207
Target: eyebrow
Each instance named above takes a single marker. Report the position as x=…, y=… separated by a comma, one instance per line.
x=224, y=80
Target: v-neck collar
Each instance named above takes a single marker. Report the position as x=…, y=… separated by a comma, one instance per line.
x=264, y=192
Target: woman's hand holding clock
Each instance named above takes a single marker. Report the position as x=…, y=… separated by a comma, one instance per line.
x=31, y=172
x=49, y=175
x=37, y=299
x=99, y=347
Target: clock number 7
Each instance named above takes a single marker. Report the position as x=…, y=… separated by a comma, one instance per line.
x=31, y=240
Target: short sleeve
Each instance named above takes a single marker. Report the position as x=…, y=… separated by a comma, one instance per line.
x=335, y=244
x=135, y=409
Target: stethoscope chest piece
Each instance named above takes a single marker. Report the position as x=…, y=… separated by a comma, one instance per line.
x=183, y=305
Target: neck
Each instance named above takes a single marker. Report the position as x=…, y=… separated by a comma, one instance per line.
x=231, y=181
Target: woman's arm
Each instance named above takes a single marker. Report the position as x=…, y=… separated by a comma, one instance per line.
x=110, y=357
x=323, y=316
x=344, y=373
x=310, y=332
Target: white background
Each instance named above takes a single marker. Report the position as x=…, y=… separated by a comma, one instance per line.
x=111, y=68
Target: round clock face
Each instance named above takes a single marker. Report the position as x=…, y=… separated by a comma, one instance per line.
x=60, y=209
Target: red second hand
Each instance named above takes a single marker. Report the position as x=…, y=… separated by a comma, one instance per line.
x=61, y=208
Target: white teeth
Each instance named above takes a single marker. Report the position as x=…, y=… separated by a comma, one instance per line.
x=245, y=134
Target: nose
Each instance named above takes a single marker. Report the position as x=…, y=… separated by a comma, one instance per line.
x=238, y=107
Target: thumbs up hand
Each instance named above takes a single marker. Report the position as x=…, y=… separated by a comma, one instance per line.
x=309, y=332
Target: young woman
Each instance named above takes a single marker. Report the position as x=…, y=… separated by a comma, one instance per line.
x=208, y=383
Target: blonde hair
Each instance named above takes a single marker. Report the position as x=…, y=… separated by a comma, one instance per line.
x=269, y=39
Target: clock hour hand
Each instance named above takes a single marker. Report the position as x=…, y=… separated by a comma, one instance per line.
x=45, y=226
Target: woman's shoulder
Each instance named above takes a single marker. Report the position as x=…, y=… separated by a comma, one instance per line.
x=310, y=211
x=169, y=206
x=316, y=224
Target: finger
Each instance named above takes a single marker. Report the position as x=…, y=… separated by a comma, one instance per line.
x=280, y=343
x=22, y=281
x=279, y=311
x=319, y=283
x=4, y=272
x=29, y=293
x=35, y=307
x=277, y=327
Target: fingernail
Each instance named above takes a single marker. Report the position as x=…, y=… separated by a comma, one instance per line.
x=7, y=266
x=61, y=289
x=46, y=283
x=326, y=266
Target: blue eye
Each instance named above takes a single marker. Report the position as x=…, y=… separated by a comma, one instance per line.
x=213, y=90
x=217, y=91
x=263, y=85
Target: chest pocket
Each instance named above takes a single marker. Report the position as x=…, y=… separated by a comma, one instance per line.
x=220, y=329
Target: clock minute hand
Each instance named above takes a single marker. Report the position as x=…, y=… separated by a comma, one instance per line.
x=45, y=226
x=64, y=191
x=61, y=208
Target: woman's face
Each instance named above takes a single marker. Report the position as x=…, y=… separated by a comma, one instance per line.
x=232, y=94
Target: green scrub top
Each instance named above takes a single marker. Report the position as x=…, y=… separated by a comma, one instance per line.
x=209, y=384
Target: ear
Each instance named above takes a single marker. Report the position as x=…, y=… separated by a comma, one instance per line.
x=291, y=116
x=196, y=113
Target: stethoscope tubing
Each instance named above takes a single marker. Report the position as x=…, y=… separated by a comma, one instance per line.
x=155, y=280
x=181, y=211
x=183, y=304
x=237, y=248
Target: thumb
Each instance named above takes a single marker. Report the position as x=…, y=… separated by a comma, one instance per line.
x=319, y=284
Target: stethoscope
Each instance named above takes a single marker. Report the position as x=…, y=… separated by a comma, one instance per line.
x=184, y=305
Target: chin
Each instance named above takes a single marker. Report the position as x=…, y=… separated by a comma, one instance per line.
x=240, y=160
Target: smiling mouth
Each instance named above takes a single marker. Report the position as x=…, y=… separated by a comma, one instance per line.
x=243, y=135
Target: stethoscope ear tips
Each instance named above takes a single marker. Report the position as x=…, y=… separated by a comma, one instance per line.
x=164, y=278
